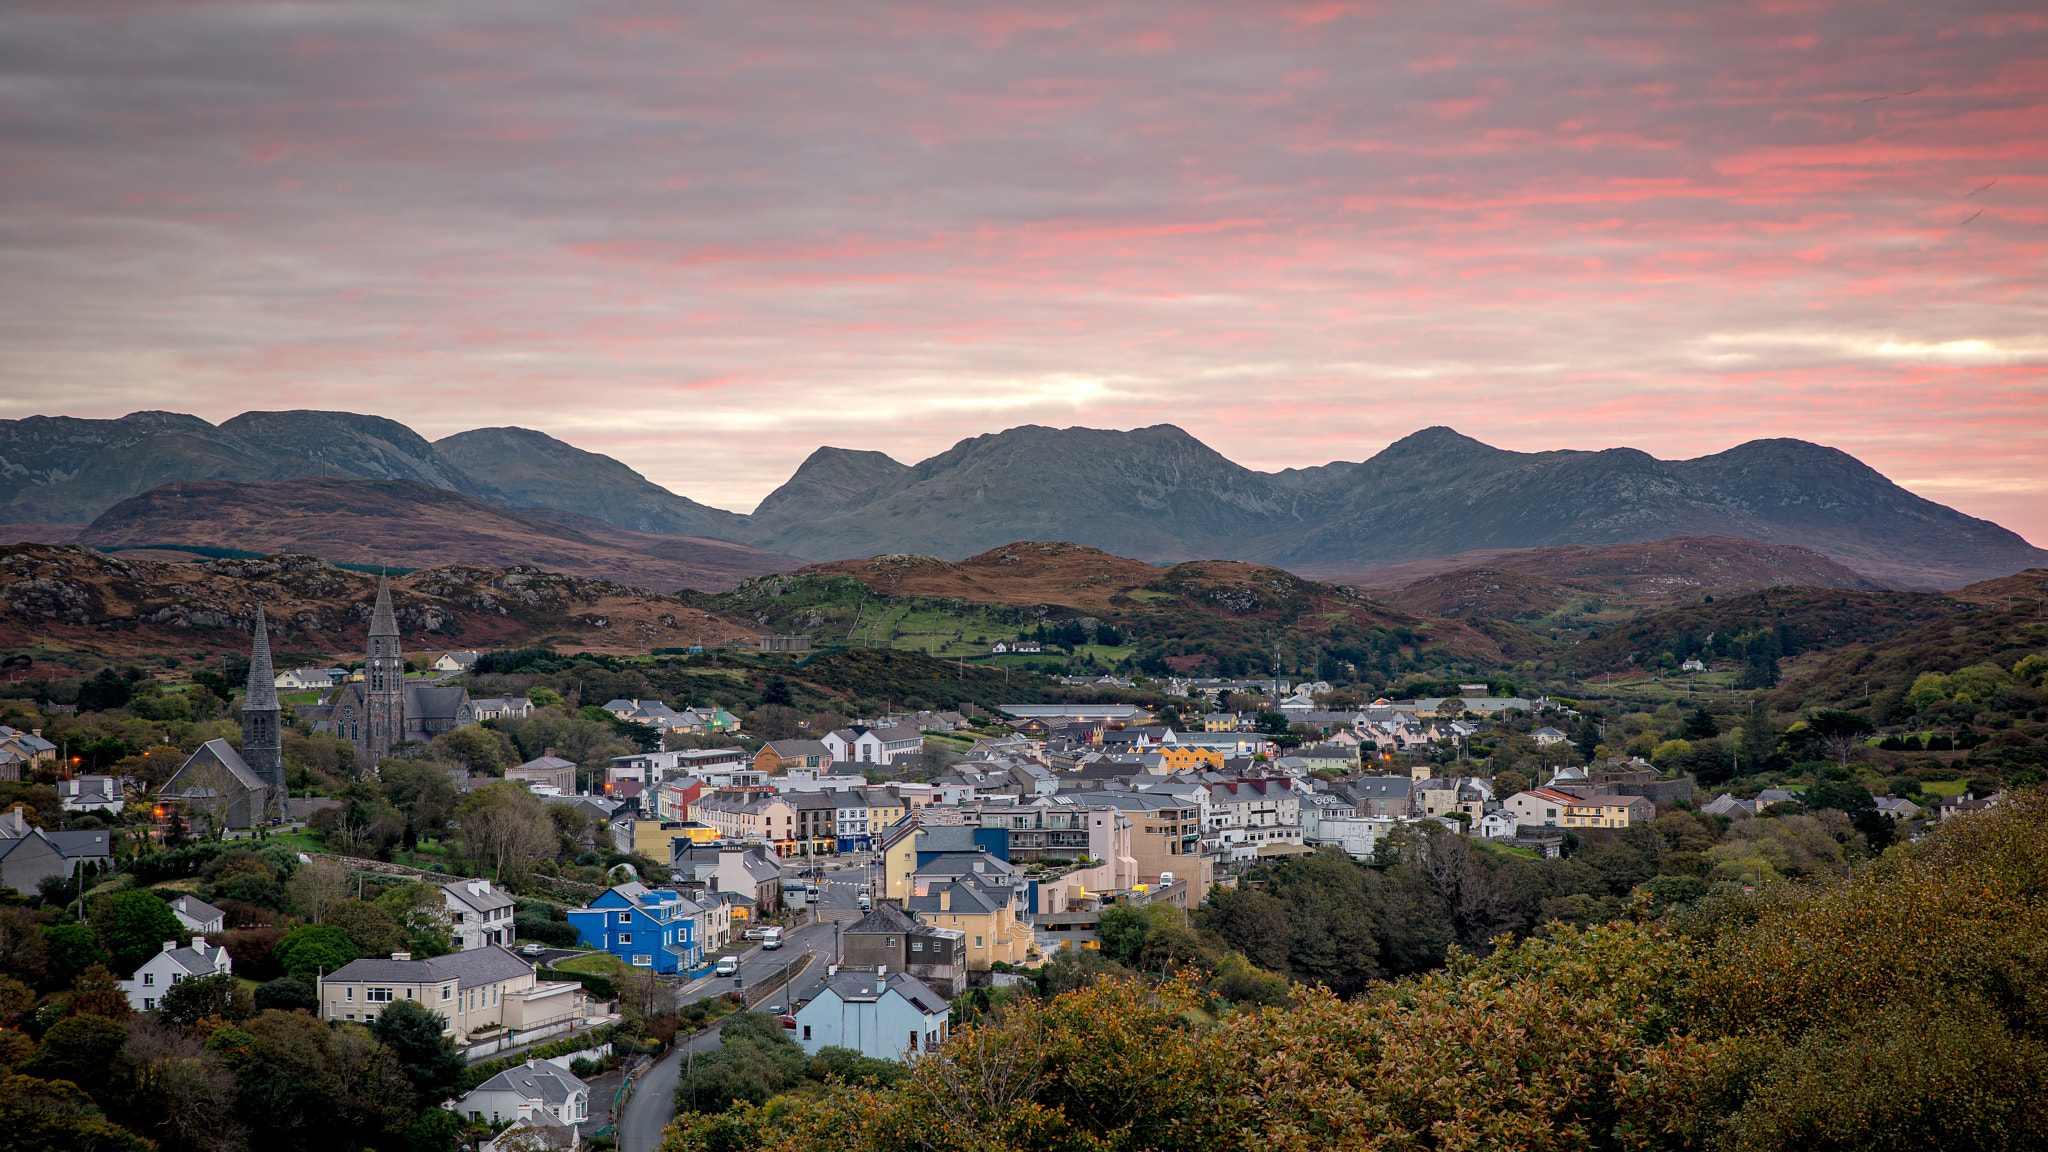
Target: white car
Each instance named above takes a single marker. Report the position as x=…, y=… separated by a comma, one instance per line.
x=727, y=966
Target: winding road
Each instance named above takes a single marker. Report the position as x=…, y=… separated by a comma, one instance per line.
x=652, y=1105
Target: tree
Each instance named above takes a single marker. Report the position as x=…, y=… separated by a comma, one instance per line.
x=54, y=1114
x=778, y=692
x=24, y=952
x=134, y=926
x=425, y=1054
x=308, y=951
x=317, y=888
x=422, y=911
x=81, y=1049
x=70, y=950
x=370, y=928
x=1700, y=725
x=97, y=993
x=188, y=1002
x=285, y=994
x=505, y=828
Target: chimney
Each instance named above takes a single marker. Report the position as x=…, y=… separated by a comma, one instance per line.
x=401, y=955
x=170, y=945
x=547, y=751
x=946, y=898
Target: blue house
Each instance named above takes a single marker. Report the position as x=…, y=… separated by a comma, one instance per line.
x=646, y=927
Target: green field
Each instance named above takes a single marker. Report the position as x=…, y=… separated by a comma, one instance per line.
x=596, y=963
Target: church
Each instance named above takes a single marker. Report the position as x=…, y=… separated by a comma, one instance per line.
x=384, y=709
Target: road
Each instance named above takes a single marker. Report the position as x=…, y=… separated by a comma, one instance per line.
x=648, y=1113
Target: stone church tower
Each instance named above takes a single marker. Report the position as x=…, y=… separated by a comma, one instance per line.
x=383, y=680
x=262, y=737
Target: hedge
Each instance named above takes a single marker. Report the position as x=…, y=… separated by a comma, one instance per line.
x=478, y=1073
x=595, y=983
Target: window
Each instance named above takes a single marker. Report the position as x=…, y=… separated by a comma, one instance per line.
x=348, y=994
x=643, y=960
x=913, y=1039
x=977, y=941
x=148, y=1004
x=377, y=995
x=148, y=978
x=807, y=1031
x=447, y=993
x=917, y=945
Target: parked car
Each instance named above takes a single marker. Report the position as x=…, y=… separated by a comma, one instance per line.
x=756, y=933
x=533, y=949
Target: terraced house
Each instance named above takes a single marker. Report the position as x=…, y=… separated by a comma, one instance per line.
x=757, y=817
x=653, y=928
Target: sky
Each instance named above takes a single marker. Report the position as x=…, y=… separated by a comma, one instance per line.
x=708, y=238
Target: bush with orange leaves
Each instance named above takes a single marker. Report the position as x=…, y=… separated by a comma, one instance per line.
x=1902, y=1007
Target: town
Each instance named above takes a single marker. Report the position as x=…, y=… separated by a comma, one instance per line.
x=530, y=935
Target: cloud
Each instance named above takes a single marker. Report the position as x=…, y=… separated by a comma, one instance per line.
x=708, y=239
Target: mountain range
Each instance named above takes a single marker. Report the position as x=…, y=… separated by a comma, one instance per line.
x=1157, y=493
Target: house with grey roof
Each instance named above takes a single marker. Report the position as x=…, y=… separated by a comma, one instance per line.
x=198, y=916
x=171, y=967
x=484, y=994
x=84, y=845
x=107, y=794
x=880, y=1014
x=535, y=1088
x=546, y=771
x=1378, y=795
x=28, y=855
x=479, y=915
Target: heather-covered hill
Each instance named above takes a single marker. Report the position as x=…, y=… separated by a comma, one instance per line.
x=56, y=597
x=408, y=524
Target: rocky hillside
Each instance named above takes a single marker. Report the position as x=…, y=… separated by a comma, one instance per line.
x=1156, y=494
x=408, y=524
x=1632, y=577
x=79, y=599
x=1221, y=616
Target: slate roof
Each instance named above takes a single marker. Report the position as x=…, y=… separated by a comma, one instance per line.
x=197, y=909
x=82, y=845
x=482, y=902
x=372, y=971
x=488, y=965
x=535, y=1080
x=858, y=987
x=198, y=960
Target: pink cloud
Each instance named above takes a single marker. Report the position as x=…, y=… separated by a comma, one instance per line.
x=708, y=243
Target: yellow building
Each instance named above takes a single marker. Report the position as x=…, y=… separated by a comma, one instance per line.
x=1608, y=811
x=1179, y=758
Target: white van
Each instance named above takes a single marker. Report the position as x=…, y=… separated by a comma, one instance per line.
x=728, y=966
x=771, y=939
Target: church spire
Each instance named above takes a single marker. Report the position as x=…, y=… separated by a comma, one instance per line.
x=383, y=621
x=262, y=728
x=262, y=678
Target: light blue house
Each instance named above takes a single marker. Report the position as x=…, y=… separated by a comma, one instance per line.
x=886, y=1015
x=646, y=927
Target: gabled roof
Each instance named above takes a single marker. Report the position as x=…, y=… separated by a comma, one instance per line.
x=543, y=764
x=858, y=987
x=212, y=752
x=198, y=960
x=374, y=971
x=537, y=1081
x=197, y=909
x=488, y=965
x=82, y=845
x=884, y=919
x=481, y=901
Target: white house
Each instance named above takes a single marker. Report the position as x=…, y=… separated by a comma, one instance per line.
x=501, y=708
x=1547, y=736
x=171, y=966
x=94, y=793
x=885, y=1015
x=308, y=679
x=479, y=915
x=455, y=662
x=538, y=1087
x=864, y=745
x=198, y=916
x=1496, y=825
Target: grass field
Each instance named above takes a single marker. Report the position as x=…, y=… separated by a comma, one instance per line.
x=1944, y=787
x=596, y=963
